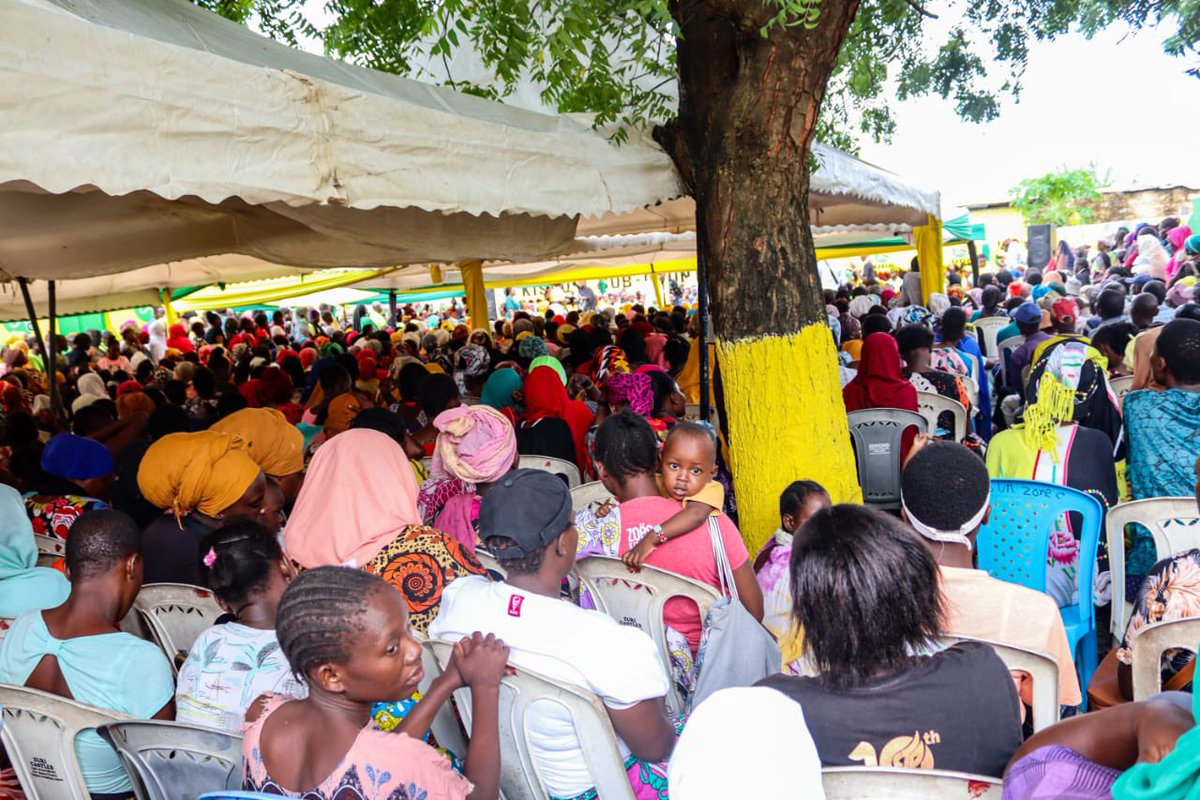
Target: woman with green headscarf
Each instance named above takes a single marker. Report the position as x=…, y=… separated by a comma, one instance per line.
x=24, y=586
x=499, y=390
x=553, y=363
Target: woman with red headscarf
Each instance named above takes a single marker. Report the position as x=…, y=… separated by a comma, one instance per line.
x=178, y=339
x=880, y=382
x=546, y=398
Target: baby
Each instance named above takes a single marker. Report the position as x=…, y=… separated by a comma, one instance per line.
x=687, y=466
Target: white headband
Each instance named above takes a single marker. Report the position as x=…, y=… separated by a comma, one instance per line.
x=959, y=536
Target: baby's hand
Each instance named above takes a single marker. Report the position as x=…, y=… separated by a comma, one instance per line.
x=636, y=556
x=604, y=508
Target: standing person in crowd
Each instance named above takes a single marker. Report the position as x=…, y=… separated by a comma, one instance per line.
x=232, y=664
x=330, y=523
x=345, y=634
x=78, y=651
x=525, y=521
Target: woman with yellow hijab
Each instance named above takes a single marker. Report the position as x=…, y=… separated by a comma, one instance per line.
x=275, y=444
x=200, y=480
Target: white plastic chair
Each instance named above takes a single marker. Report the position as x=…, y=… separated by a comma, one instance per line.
x=896, y=783
x=174, y=761
x=1121, y=387
x=1148, y=645
x=39, y=733
x=638, y=599
x=50, y=550
x=1004, y=351
x=972, y=388
x=176, y=614
x=986, y=329
x=1042, y=668
x=931, y=405
x=587, y=494
x=519, y=778
x=445, y=726
x=1174, y=523
x=554, y=465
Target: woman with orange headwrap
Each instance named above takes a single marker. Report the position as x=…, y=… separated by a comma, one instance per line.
x=200, y=480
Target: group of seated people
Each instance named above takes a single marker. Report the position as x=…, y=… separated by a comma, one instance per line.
x=380, y=506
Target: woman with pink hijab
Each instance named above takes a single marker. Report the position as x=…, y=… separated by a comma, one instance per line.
x=1178, y=237
x=358, y=508
x=476, y=446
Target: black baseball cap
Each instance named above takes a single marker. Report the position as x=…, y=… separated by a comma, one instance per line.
x=530, y=507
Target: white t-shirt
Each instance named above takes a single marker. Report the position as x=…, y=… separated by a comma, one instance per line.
x=558, y=640
x=226, y=670
x=746, y=726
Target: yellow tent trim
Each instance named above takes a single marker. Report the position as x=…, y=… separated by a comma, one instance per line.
x=253, y=293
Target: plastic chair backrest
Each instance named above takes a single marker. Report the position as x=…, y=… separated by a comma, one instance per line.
x=1014, y=544
x=489, y=562
x=1174, y=523
x=1148, y=645
x=930, y=405
x=445, y=726
x=638, y=599
x=586, y=494
x=176, y=614
x=972, y=387
x=1004, y=352
x=1042, y=668
x=174, y=761
x=1121, y=386
x=38, y=732
x=50, y=550
x=986, y=329
x=554, y=465
x=898, y=783
x=877, y=433
x=519, y=778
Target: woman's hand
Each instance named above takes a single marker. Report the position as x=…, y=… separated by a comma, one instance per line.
x=479, y=660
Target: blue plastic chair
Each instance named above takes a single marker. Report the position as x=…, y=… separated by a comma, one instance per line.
x=1015, y=544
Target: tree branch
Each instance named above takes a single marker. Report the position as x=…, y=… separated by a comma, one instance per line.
x=921, y=9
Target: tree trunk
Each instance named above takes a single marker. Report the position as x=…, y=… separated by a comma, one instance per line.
x=747, y=110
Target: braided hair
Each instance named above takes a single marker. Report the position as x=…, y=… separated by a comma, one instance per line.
x=319, y=614
x=626, y=445
x=236, y=560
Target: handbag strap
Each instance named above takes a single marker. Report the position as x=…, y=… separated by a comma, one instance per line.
x=721, y=558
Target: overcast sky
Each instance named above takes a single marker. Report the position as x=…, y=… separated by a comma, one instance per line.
x=1078, y=106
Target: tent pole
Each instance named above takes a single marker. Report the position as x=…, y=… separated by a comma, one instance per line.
x=52, y=374
x=37, y=329
x=392, y=309
x=974, y=262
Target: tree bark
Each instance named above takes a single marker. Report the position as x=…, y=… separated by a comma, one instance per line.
x=747, y=111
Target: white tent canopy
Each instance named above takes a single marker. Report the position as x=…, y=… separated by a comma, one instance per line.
x=143, y=132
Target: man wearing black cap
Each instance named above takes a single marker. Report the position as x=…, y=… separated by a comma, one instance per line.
x=526, y=522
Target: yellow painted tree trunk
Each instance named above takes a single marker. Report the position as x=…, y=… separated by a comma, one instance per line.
x=747, y=110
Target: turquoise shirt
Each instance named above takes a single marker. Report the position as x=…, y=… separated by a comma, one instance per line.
x=117, y=671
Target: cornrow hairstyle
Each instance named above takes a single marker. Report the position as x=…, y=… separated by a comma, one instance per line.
x=237, y=558
x=626, y=445
x=320, y=613
x=796, y=495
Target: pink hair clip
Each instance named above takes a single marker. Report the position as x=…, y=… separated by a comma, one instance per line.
x=210, y=557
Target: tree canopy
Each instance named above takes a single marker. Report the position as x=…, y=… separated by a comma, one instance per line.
x=616, y=58
x=1062, y=197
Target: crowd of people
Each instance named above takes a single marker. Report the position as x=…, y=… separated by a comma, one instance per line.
x=350, y=488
